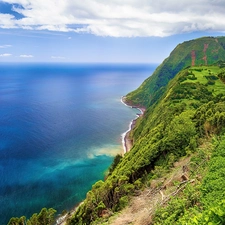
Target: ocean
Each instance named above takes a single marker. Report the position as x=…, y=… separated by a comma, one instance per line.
x=60, y=127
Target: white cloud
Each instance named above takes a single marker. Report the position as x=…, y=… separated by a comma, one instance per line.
x=7, y=21
x=127, y=18
x=26, y=56
x=5, y=46
x=5, y=55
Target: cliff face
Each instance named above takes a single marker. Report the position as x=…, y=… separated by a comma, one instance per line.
x=202, y=51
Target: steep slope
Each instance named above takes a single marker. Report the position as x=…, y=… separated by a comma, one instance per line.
x=202, y=51
x=188, y=108
x=191, y=108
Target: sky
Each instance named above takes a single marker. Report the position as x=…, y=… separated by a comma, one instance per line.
x=100, y=31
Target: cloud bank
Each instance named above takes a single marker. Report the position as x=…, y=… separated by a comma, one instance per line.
x=127, y=18
x=5, y=55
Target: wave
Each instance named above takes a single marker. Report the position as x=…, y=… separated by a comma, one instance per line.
x=131, y=125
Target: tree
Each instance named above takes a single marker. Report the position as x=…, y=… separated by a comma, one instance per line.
x=179, y=133
x=46, y=216
x=17, y=221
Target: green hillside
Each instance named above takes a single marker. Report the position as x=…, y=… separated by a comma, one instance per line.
x=190, y=111
x=202, y=51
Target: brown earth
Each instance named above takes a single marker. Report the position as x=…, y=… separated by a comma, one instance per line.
x=142, y=206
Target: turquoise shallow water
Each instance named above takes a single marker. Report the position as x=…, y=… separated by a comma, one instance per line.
x=60, y=126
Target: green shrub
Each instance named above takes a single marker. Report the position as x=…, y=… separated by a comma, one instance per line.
x=123, y=202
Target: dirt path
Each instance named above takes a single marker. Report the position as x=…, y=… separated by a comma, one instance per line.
x=143, y=206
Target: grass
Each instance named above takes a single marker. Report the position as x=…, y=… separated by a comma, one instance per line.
x=201, y=74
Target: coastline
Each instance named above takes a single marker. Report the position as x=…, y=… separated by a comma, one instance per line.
x=126, y=141
x=127, y=145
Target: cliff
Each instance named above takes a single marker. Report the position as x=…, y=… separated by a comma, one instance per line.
x=184, y=101
x=202, y=51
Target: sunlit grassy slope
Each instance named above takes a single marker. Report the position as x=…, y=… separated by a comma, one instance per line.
x=205, y=73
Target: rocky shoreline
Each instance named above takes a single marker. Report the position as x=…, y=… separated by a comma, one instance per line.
x=126, y=140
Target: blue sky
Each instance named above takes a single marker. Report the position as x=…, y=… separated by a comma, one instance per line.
x=90, y=31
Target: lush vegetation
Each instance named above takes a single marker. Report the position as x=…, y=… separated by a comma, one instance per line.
x=202, y=202
x=202, y=51
x=189, y=111
x=45, y=217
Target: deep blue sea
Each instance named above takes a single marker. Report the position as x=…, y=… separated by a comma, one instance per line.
x=60, y=126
